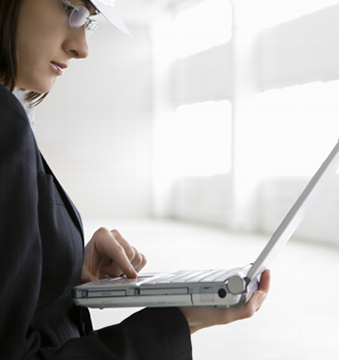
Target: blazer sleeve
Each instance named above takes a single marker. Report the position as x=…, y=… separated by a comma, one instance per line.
x=20, y=248
x=149, y=334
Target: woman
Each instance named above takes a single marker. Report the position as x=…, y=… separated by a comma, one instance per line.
x=41, y=238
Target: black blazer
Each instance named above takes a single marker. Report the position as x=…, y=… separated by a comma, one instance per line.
x=41, y=254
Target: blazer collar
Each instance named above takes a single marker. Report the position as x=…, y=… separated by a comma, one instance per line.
x=67, y=201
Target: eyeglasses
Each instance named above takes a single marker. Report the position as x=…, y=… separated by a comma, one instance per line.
x=79, y=16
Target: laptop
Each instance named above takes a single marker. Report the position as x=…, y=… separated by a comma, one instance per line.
x=209, y=287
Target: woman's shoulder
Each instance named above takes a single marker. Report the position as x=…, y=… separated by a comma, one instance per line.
x=16, y=134
x=12, y=113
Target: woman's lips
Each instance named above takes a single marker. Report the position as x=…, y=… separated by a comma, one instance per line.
x=58, y=69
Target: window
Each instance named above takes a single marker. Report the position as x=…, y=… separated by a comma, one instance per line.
x=294, y=128
x=203, y=26
x=193, y=29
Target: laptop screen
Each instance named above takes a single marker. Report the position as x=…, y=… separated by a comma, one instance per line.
x=297, y=213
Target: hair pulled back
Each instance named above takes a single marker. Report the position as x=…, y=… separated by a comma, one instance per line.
x=9, y=15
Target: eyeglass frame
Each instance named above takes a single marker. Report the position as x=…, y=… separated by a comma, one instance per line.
x=88, y=20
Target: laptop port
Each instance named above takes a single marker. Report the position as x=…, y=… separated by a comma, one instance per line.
x=222, y=293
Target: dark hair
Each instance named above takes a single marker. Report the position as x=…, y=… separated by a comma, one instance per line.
x=9, y=14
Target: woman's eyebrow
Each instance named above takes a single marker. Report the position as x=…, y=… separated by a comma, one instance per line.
x=91, y=7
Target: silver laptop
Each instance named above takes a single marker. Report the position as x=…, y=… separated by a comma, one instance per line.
x=212, y=287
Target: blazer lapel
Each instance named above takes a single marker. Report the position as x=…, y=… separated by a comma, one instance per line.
x=67, y=201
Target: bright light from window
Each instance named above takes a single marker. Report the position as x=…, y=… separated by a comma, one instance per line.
x=294, y=128
x=203, y=26
x=192, y=30
x=206, y=130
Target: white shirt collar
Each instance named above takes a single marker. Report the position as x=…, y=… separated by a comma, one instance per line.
x=20, y=95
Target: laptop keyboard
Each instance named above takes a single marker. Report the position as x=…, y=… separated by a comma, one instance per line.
x=196, y=276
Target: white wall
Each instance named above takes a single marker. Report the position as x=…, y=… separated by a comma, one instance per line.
x=94, y=128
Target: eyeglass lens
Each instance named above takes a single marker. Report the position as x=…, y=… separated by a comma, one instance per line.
x=78, y=18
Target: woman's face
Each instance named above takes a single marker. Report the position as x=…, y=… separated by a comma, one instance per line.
x=44, y=37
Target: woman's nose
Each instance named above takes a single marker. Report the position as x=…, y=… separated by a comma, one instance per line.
x=77, y=44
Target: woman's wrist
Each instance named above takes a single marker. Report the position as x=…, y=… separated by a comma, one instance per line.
x=192, y=323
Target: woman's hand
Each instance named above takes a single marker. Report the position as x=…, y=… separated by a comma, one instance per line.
x=108, y=253
x=201, y=317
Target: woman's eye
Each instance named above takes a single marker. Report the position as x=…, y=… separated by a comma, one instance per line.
x=68, y=9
